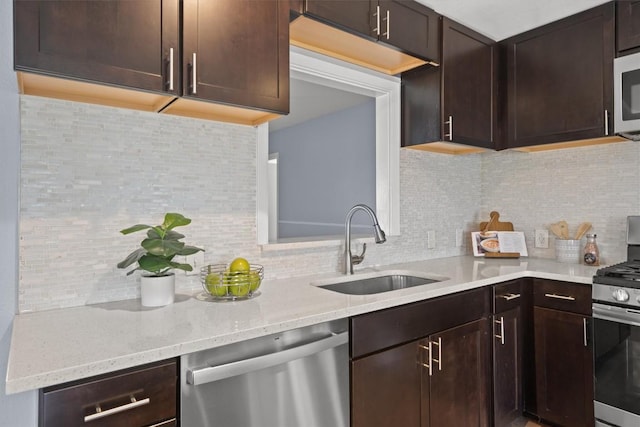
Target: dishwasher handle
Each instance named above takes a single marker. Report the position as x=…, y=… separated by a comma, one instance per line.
x=215, y=373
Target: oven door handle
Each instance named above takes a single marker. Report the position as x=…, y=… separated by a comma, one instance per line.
x=215, y=373
x=616, y=314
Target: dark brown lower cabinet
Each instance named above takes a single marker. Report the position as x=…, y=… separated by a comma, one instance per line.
x=455, y=388
x=385, y=388
x=137, y=397
x=440, y=380
x=564, y=368
x=507, y=367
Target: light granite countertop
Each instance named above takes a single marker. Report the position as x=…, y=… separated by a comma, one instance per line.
x=56, y=346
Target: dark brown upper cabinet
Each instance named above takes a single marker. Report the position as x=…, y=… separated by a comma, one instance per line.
x=403, y=24
x=390, y=36
x=143, y=54
x=455, y=102
x=408, y=26
x=628, y=27
x=237, y=52
x=351, y=16
x=559, y=80
x=122, y=43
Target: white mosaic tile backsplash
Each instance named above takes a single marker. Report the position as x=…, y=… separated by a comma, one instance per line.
x=88, y=171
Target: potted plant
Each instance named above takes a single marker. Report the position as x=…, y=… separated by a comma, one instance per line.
x=155, y=259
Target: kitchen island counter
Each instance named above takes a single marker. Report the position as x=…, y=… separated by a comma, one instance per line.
x=57, y=346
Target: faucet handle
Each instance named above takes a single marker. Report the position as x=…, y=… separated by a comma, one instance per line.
x=357, y=259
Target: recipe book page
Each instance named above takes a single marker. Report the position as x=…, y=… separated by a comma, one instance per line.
x=512, y=241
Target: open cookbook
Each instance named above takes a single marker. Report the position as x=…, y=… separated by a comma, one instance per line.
x=494, y=243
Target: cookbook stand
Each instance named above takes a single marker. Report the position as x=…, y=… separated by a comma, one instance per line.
x=494, y=224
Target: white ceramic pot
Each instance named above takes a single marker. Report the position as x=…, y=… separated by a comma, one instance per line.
x=157, y=291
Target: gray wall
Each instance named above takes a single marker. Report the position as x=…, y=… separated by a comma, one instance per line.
x=325, y=166
x=17, y=410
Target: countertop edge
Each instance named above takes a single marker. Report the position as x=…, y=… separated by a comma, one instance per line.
x=16, y=383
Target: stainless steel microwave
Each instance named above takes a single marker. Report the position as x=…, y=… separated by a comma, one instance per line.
x=626, y=96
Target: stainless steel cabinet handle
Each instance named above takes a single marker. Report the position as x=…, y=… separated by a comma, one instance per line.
x=215, y=373
x=450, y=123
x=377, y=15
x=509, y=297
x=171, y=69
x=563, y=297
x=584, y=324
x=606, y=122
x=126, y=407
x=193, y=74
x=439, y=359
x=429, y=365
x=387, y=19
x=501, y=334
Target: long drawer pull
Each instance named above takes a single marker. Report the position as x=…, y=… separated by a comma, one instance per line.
x=563, y=297
x=126, y=407
x=509, y=297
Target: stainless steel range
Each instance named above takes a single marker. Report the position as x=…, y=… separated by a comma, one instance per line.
x=616, y=330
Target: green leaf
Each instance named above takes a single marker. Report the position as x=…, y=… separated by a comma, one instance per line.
x=185, y=267
x=163, y=248
x=153, y=264
x=173, y=235
x=133, y=257
x=189, y=250
x=135, y=228
x=173, y=220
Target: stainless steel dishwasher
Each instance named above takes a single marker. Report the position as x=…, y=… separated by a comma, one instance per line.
x=297, y=378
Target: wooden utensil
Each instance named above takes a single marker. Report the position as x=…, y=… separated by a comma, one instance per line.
x=582, y=229
x=557, y=230
x=564, y=227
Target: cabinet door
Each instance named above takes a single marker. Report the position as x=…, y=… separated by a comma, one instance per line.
x=628, y=25
x=459, y=387
x=385, y=388
x=410, y=27
x=468, y=86
x=457, y=101
x=564, y=368
x=560, y=80
x=119, y=42
x=352, y=16
x=507, y=367
x=237, y=52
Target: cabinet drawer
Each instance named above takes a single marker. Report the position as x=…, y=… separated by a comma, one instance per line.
x=382, y=329
x=136, y=397
x=508, y=295
x=563, y=296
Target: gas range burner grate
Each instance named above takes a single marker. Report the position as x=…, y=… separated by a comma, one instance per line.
x=623, y=274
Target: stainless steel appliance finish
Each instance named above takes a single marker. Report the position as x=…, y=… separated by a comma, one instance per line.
x=626, y=95
x=616, y=332
x=617, y=365
x=291, y=379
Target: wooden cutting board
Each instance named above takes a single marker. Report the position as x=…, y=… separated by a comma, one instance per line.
x=495, y=224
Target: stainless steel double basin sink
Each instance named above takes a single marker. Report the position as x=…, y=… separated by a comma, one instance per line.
x=383, y=281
